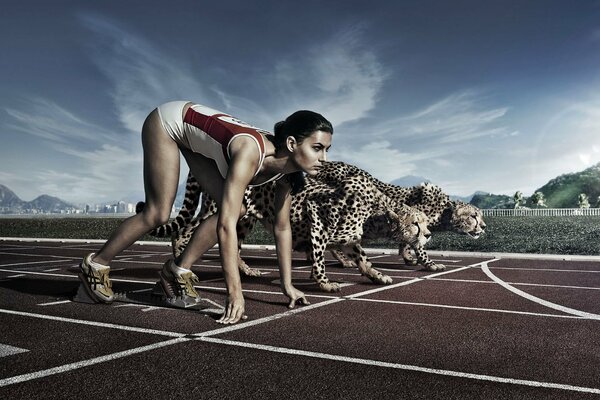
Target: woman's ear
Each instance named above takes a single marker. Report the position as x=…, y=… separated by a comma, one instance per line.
x=290, y=143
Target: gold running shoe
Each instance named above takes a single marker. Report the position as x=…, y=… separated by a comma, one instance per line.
x=95, y=279
x=179, y=282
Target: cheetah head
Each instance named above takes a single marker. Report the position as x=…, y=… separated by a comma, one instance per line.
x=409, y=225
x=468, y=219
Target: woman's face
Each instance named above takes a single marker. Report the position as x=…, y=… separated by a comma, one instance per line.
x=313, y=149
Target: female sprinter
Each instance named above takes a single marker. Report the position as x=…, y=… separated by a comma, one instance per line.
x=226, y=156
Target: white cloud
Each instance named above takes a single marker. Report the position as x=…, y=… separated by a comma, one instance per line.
x=47, y=120
x=456, y=118
x=142, y=75
x=340, y=78
x=381, y=160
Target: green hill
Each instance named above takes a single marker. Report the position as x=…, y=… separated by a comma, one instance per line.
x=563, y=191
x=486, y=200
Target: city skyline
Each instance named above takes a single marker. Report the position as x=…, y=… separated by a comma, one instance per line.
x=500, y=96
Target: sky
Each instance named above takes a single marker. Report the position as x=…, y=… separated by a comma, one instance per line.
x=495, y=96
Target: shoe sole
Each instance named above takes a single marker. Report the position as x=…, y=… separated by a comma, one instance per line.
x=83, y=278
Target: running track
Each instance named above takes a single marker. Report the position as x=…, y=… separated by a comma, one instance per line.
x=489, y=327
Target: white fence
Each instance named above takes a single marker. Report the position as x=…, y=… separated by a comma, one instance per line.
x=541, y=212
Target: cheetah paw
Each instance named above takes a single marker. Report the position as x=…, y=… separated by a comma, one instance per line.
x=330, y=287
x=436, y=267
x=247, y=271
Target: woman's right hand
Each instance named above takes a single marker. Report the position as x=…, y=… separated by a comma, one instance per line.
x=234, y=310
x=295, y=296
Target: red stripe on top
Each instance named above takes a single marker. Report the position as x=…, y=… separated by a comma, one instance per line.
x=221, y=131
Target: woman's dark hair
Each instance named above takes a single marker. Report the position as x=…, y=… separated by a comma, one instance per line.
x=300, y=125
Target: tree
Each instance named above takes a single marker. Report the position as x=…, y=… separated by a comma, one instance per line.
x=583, y=201
x=518, y=198
x=598, y=202
x=538, y=200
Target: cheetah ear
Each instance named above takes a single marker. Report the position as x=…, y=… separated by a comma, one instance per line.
x=391, y=216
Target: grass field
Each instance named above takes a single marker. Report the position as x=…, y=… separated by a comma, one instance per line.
x=542, y=235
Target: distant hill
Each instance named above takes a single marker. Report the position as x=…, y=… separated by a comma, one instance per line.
x=409, y=180
x=10, y=202
x=563, y=191
x=486, y=200
x=8, y=198
x=467, y=199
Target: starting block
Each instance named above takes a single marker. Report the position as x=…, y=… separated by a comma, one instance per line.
x=156, y=297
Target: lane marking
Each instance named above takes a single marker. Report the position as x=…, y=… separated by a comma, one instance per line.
x=6, y=350
x=334, y=300
x=32, y=262
x=547, y=270
x=518, y=283
x=535, y=299
x=87, y=363
x=93, y=323
x=53, y=303
x=404, y=367
x=496, y=310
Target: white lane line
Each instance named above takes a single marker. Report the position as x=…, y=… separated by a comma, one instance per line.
x=496, y=310
x=86, y=363
x=53, y=303
x=33, y=262
x=547, y=270
x=6, y=350
x=51, y=270
x=535, y=299
x=404, y=367
x=321, y=304
x=92, y=323
x=270, y=318
x=37, y=255
x=548, y=285
x=15, y=276
x=410, y=282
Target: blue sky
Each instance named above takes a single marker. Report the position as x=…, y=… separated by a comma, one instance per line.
x=496, y=96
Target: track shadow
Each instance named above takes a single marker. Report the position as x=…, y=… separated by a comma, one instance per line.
x=38, y=286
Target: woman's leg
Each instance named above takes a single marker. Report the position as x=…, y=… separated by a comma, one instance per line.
x=161, y=176
x=205, y=237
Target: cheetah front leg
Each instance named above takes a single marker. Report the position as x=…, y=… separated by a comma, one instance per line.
x=316, y=256
x=424, y=260
x=358, y=255
x=405, y=251
x=316, y=252
x=339, y=255
x=244, y=226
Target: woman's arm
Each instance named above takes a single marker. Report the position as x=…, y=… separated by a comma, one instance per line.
x=243, y=164
x=282, y=231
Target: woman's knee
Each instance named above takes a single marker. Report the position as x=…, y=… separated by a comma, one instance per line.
x=154, y=216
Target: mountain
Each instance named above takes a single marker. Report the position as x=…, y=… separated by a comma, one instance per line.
x=8, y=198
x=563, y=191
x=409, y=180
x=10, y=202
x=467, y=199
x=487, y=200
x=47, y=204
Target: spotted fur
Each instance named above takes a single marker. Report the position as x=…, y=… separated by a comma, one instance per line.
x=442, y=213
x=325, y=216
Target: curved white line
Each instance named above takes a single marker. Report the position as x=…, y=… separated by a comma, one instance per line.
x=583, y=314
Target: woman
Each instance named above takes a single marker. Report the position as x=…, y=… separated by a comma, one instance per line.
x=226, y=156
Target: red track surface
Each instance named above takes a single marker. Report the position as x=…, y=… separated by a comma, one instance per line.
x=486, y=328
